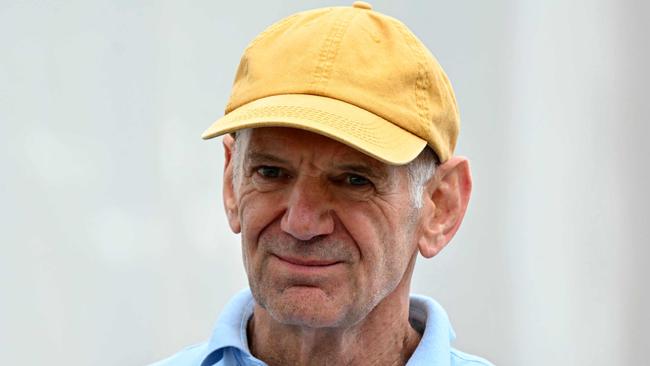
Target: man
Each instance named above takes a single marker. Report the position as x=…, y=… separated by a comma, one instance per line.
x=339, y=138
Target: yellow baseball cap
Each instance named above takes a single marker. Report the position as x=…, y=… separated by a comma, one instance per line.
x=351, y=74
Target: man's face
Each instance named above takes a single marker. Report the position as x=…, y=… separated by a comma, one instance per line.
x=327, y=232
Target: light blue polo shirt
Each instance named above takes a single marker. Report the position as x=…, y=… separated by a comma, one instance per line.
x=228, y=345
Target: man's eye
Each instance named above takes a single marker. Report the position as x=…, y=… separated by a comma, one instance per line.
x=356, y=180
x=269, y=171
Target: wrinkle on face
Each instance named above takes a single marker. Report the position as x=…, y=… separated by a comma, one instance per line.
x=371, y=236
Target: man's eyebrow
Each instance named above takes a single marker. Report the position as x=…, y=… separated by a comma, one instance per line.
x=369, y=171
x=259, y=157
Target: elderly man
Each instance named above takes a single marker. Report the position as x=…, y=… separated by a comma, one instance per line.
x=339, y=170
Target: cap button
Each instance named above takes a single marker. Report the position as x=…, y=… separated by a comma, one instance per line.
x=361, y=5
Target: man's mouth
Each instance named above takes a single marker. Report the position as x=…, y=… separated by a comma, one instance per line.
x=307, y=262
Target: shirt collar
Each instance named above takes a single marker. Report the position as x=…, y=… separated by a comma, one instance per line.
x=425, y=314
x=230, y=330
x=435, y=345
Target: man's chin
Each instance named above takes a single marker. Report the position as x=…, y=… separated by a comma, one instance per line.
x=305, y=306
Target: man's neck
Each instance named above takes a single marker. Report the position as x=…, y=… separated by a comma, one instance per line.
x=384, y=337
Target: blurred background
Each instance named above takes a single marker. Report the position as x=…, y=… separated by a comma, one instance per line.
x=115, y=249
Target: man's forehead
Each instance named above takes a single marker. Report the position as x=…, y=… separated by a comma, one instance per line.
x=284, y=140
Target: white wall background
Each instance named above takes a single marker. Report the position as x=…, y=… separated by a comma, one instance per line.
x=114, y=247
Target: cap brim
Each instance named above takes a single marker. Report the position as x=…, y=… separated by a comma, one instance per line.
x=333, y=118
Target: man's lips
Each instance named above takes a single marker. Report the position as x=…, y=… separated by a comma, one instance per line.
x=307, y=262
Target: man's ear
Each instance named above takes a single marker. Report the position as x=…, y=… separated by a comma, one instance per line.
x=446, y=198
x=229, y=197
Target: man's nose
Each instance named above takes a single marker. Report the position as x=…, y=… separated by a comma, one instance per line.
x=308, y=213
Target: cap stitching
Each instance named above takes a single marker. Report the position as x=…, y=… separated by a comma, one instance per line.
x=422, y=81
x=355, y=128
x=330, y=50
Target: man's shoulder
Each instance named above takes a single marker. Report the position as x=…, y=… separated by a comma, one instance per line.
x=459, y=358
